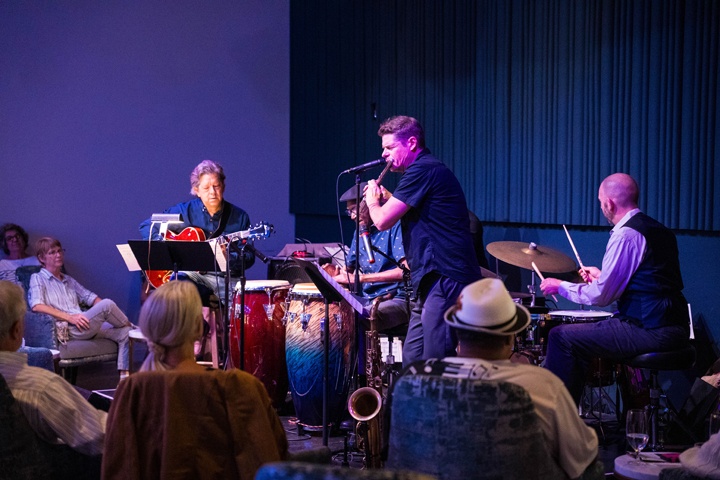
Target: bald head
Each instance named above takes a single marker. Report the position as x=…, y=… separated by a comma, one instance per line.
x=618, y=194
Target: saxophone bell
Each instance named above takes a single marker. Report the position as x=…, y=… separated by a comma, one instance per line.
x=364, y=404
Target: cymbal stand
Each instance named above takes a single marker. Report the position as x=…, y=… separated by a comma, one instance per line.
x=531, y=288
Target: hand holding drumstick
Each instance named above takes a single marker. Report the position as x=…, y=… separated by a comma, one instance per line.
x=551, y=284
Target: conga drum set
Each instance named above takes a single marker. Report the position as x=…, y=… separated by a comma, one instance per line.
x=283, y=348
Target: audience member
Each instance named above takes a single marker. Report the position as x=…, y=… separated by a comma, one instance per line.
x=237, y=422
x=58, y=294
x=486, y=320
x=14, y=243
x=53, y=408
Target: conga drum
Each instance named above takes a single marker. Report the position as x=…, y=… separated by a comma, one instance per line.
x=304, y=353
x=264, y=353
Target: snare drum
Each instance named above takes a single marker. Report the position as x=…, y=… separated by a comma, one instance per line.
x=264, y=353
x=305, y=320
x=579, y=316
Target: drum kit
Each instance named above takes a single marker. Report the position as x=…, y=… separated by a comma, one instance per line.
x=532, y=343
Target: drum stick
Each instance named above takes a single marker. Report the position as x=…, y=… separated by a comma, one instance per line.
x=537, y=270
x=582, y=267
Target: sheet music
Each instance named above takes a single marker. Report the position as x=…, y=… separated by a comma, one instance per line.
x=219, y=255
x=127, y=255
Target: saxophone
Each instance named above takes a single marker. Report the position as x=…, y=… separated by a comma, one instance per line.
x=366, y=404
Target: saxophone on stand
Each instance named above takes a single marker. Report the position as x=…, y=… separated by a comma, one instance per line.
x=366, y=404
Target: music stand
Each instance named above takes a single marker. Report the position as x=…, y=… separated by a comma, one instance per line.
x=331, y=292
x=176, y=255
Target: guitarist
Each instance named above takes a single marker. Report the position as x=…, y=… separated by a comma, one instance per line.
x=212, y=214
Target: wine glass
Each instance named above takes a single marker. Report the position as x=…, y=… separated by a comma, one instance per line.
x=636, y=430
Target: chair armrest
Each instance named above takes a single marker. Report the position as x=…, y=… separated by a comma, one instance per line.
x=40, y=330
x=39, y=357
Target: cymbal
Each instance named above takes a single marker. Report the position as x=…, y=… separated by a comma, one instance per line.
x=522, y=254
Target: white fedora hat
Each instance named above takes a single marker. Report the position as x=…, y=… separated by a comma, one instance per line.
x=486, y=306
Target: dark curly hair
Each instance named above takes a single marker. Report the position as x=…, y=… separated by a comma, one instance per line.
x=8, y=227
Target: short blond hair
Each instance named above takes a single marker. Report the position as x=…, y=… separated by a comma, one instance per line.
x=170, y=317
x=43, y=245
x=12, y=306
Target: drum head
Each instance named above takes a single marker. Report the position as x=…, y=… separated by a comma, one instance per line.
x=308, y=289
x=252, y=285
x=580, y=315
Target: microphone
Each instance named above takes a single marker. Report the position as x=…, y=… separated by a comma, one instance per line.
x=365, y=235
x=257, y=252
x=365, y=166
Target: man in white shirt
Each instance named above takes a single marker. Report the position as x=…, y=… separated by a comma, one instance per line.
x=485, y=320
x=53, y=408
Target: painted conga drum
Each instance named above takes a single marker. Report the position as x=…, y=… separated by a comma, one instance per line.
x=304, y=353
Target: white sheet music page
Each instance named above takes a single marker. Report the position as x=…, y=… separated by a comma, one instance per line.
x=127, y=255
x=219, y=255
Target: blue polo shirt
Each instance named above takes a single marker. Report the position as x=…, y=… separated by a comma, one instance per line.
x=436, y=229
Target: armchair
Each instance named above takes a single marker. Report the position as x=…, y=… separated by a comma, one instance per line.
x=41, y=331
x=464, y=428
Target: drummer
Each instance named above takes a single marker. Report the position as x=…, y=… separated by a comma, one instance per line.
x=382, y=276
x=641, y=271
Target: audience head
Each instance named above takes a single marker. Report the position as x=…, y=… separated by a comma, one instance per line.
x=486, y=318
x=170, y=318
x=12, y=234
x=618, y=194
x=44, y=245
x=12, y=315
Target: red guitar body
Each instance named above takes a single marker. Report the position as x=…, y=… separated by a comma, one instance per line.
x=194, y=234
x=188, y=234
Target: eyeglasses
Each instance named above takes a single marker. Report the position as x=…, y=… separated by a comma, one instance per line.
x=350, y=211
x=13, y=238
x=55, y=251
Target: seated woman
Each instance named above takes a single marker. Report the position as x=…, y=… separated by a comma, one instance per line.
x=14, y=242
x=58, y=294
x=176, y=418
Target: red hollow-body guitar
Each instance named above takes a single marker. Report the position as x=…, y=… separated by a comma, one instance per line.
x=194, y=234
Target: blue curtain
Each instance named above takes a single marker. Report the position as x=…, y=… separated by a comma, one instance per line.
x=531, y=102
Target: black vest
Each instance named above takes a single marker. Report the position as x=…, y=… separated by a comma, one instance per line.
x=653, y=297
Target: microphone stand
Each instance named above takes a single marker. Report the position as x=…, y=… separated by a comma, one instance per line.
x=358, y=287
x=241, y=334
x=241, y=337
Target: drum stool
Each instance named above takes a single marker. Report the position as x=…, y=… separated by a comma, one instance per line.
x=681, y=359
